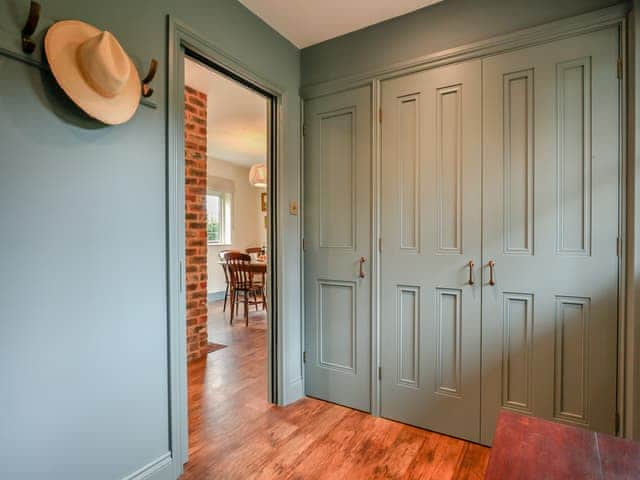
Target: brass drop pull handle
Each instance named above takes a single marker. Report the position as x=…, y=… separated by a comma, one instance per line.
x=492, y=265
x=362, y=260
x=470, y=265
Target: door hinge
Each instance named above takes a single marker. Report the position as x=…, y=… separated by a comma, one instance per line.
x=380, y=115
x=617, y=426
x=379, y=373
x=618, y=246
x=380, y=244
x=304, y=129
x=619, y=67
x=304, y=357
x=304, y=244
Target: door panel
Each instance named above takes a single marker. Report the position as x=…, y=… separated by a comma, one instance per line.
x=337, y=235
x=430, y=224
x=550, y=223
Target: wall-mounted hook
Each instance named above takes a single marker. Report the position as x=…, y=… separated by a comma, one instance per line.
x=28, y=45
x=147, y=91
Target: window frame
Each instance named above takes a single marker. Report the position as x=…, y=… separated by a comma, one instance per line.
x=225, y=204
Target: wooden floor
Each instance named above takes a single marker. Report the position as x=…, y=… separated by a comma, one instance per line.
x=235, y=433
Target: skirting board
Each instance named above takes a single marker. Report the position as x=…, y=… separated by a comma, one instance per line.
x=294, y=391
x=159, y=469
x=215, y=296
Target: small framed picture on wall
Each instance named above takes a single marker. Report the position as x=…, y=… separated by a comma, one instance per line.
x=263, y=201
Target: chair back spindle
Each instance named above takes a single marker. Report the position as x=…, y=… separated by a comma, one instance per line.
x=239, y=272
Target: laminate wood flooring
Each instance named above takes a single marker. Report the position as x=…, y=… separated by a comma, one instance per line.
x=235, y=434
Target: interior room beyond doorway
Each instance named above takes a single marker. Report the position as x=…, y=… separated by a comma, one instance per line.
x=226, y=219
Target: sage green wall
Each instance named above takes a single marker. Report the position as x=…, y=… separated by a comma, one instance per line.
x=83, y=334
x=432, y=29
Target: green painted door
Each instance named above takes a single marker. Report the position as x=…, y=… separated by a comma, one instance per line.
x=551, y=216
x=431, y=234
x=337, y=244
x=512, y=163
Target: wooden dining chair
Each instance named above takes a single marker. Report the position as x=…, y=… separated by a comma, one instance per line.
x=242, y=287
x=227, y=288
x=260, y=256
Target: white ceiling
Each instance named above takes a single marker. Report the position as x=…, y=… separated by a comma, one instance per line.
x=236, y=116
x=307, y=22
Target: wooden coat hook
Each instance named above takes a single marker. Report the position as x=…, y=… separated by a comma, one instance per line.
x=147, y=91
x=28, y=45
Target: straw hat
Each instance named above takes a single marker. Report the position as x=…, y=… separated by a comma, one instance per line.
x=93, y=70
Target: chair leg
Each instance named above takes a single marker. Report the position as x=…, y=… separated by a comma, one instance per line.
x=226, y=294
x=232, y=305
x=246, y=309
x=264, y=298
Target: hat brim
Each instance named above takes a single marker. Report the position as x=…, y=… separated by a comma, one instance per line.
x=61, y=47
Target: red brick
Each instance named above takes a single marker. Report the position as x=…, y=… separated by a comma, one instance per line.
x=195, y=152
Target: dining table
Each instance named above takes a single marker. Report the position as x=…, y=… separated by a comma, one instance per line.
x=253, y=267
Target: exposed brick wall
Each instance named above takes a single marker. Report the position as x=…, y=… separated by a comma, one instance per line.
x=195, y=153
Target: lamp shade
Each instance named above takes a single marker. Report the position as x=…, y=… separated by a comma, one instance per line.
x=258, y=175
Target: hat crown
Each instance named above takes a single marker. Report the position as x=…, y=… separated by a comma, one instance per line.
x=104, y=64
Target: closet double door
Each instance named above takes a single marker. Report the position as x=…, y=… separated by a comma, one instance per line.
x=499, y=222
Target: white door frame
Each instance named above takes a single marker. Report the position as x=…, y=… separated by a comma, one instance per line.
x=628, y=392
x=182, y=42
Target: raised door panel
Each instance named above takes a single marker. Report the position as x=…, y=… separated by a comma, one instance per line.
x=572, y=359
x=409, y=178
x=448, y=341
x=518, y=172
x=337, y=325
x=449, y=169
x=573, y=86
x=408, y=328
x=517, y=348
x=337, y=213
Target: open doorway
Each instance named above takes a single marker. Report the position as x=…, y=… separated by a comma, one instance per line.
x=229, y=145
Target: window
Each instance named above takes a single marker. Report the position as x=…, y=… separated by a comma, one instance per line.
x=219, y=218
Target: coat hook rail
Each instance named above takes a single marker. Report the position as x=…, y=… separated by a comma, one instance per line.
x=28, y=45
x=147, y=91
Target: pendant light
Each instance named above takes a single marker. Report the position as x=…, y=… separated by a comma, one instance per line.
x=258, y=175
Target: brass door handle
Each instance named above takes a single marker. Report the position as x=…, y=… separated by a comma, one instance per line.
x=492, y=265
x=362, y=260
x=470, y=265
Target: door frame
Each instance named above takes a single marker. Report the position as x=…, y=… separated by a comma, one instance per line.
x=628, y=387
x=184, y=42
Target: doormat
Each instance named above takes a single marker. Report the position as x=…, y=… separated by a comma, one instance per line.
x=215, y=346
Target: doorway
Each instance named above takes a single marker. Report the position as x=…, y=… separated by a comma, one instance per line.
x=229, y=128
x=226, y=126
